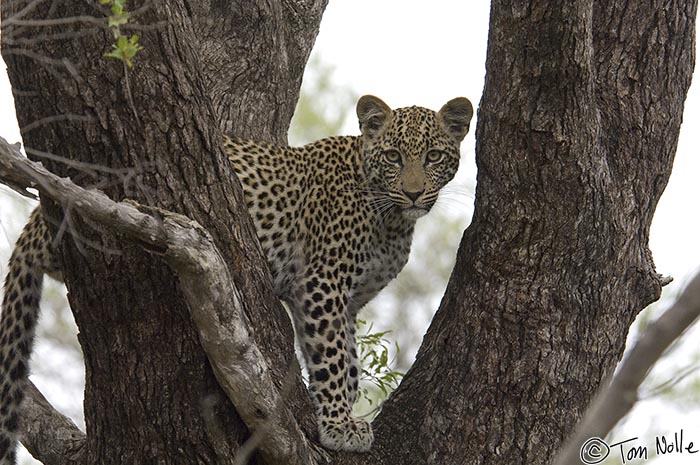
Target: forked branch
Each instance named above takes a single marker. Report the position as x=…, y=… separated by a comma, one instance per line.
x=47, y=434
x=214, y=301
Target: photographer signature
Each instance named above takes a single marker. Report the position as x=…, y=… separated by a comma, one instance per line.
x=596, y=450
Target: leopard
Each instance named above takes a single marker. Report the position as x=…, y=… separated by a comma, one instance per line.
x=335, y=219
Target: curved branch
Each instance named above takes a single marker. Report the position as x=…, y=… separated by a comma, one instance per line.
x=214, y=302
x=617, y=399
x=47, y=434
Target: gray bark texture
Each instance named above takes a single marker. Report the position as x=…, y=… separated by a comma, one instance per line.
x=152, y=133
x=576, y=134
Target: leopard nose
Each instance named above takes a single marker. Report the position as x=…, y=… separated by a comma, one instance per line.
x=413, y=195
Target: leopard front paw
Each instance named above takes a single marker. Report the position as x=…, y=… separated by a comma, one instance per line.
x=350, y=434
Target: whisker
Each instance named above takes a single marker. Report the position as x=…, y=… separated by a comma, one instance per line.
x=451, y=208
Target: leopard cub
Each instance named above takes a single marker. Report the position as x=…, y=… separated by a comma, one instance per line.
x=335, y=219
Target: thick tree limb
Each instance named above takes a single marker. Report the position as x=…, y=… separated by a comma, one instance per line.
x=617, y=399
x=47, y=434
x=575, y=139
x=214, y=301
x=160, y=120
x=231, y=78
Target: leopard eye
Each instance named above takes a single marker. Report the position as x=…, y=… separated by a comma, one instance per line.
x=392, y=157
x=434, y=156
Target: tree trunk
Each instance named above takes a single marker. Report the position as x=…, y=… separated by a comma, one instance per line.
x=152, y=133
x=576, y=135
x=577, y=129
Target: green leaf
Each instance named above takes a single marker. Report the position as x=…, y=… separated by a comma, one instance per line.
x=125, y=49
x=374, y=356
x=117, y=20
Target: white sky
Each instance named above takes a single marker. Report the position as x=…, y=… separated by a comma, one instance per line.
x=413, y=52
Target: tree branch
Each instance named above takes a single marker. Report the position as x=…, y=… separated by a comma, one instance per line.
x=617, y=399
x=47, y=434
x=229, y=76
x=214, y=301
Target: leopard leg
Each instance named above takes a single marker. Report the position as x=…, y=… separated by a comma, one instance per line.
x=323, y=329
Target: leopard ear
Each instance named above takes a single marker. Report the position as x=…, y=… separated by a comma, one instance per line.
x=374, y=115
x=454, y=117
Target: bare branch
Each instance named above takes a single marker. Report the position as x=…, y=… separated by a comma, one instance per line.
x=56, y=63
x=14, y=21
x=214, y=302
x=669, y=384
x=47, y=434
x=53, y=119
x=257, y=439
x=616, y=400
x=16, y=184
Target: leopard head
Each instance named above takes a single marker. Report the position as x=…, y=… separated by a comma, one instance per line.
x=409, y=154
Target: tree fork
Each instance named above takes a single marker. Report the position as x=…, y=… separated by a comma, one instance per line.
x=576, y=135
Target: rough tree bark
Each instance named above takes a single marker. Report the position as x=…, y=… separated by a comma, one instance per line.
x=155, y=128
x=577, y=129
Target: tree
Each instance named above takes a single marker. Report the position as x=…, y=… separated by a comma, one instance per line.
x=188, y=91
x=577, y=129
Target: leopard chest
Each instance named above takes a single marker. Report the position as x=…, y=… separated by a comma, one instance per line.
x=382, y=261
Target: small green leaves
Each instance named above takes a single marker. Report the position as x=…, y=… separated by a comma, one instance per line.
x=126, y=48
x=118, y=20
x=119, y=15
x=374, y=358
x=117, y=7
